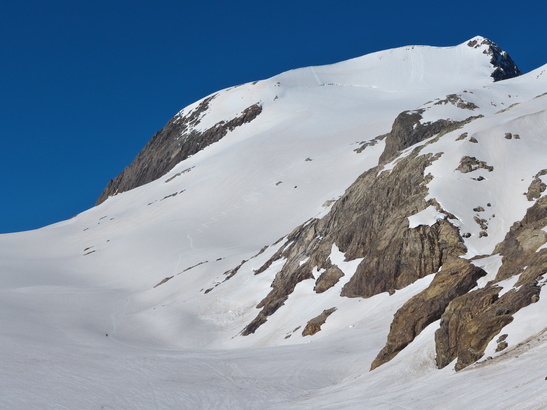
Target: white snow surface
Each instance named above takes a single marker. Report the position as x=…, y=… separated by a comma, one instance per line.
x=428, y=217
x=85, y=326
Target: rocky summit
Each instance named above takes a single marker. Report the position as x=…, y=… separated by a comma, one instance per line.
x=371, y=233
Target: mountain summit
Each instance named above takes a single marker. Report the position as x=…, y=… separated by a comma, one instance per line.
x=504, y=66
x=371, y=233
x=393, y=71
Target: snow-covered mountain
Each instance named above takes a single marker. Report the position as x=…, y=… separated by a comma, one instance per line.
x=371, y=233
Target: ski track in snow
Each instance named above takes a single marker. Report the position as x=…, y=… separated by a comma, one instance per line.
x=316, y=76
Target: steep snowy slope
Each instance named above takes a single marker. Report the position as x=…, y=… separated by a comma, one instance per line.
x=150, y=298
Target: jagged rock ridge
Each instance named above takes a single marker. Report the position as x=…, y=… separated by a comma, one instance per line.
x=172, y=144
x=504, y=65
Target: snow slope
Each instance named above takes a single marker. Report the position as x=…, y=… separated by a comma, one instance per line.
x=112, y=308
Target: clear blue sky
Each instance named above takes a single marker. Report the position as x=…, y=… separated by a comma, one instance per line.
x=84, y=85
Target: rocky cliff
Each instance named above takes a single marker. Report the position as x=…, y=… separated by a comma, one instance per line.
x=370, y=222
x=504, y=66
x=179, y=139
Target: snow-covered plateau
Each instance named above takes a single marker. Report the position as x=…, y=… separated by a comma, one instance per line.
x=234, y=278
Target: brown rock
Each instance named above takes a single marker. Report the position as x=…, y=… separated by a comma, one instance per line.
x=328, y=279
x=406, y=255
x=314, y=325
x=470, y=164
x=457, y=277
x=457, y=101
x=370, y=221
x=537, y=187
x=163, y=281
x=472, y=320
x=483, y=223
x=407, y=130
x=519, y=248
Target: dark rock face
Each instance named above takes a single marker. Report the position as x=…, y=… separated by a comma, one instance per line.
x=173, y=144
x=407, y=130
x=402, y=256
x=504, y=66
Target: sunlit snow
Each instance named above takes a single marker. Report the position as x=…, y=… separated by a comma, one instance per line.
x=128, y=305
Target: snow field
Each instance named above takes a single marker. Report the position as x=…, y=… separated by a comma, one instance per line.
x=87, y=324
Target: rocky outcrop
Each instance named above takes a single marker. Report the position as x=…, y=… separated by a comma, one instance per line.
x=369, y=221
x=537, y=187
x=172, y=144
x=314, y=325
x=457, y=101
x=328, y=279
x=456, y=278
x=504, y=66
x=408, y=130
x=521, y=244
x=402, y=255
x=303, y=240
x=472, y=320
x=470, y=164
